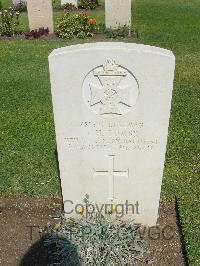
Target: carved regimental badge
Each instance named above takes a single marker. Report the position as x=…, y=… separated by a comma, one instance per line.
x=110, y=90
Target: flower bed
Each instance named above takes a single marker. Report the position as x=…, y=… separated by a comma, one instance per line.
x=9, y=22
x=79, y=25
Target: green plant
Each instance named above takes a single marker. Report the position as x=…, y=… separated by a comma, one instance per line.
x=1, y=5
x=115, y=33
x=9, y=22
x=75, y=25
x=35, y=34
x=88, y=4
x=56, y=4
x=96, y=240
x=69, y=6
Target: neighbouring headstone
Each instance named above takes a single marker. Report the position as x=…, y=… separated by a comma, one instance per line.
x=74, y=2
x=40, y=14
x=118, y=13
x=111, y=105
x=15, y=2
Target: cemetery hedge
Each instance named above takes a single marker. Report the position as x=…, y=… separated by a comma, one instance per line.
x=28, y=159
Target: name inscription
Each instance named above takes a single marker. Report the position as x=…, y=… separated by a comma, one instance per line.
x=108, y=136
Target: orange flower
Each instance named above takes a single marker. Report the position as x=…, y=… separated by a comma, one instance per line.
x=92, y=21
x=85, y=14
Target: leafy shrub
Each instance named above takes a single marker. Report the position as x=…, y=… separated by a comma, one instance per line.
x=114, y=33
x=9, y=22
x=20, y=7
x=56, y=4
x=96, y=240
x=88, y=4
x=69, y=6
x=75, y=25
x=35, y=34
x=119, y=32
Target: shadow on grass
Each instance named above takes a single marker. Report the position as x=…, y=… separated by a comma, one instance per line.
x=57, y=161
x=41, y=254
x=58, y=169
x=183, y=244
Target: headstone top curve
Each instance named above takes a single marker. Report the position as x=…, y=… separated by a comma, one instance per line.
x=113, y=45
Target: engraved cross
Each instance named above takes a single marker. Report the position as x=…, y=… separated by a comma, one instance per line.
x=112, y=173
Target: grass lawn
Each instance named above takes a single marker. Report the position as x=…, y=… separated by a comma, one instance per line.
x=28, y=160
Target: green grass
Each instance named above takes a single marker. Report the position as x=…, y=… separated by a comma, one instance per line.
x=6, y=3
x=28, y=160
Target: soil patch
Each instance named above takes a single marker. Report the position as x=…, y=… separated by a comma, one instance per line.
x=98, y=36
x=21, y=243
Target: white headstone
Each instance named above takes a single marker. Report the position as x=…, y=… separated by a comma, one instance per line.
x=40, y=14
x=74, y=2
x=111, y=105
x=118, y=13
